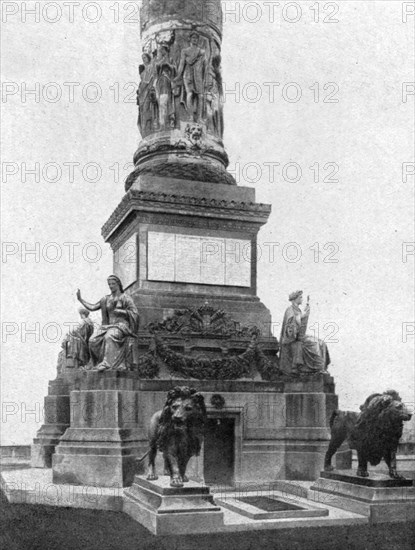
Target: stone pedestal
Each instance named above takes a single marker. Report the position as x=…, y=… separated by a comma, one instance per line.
x=105, y=436
x=166, y=510
x=180, y=243
x=184, y=239
x=57, y=420
x=278, y=430
x=381, y=498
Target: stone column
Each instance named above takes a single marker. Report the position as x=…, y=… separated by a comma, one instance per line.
x=185, y=233
x=180, y=95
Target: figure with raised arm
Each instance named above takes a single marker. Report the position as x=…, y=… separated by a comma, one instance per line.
x=300, y=354
x=109, y=347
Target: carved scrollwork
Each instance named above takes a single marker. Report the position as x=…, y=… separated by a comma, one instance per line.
x=205, y=321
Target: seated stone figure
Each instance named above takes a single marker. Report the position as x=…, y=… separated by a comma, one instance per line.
x=300, y=354
x=76, y=342
x=109, y=347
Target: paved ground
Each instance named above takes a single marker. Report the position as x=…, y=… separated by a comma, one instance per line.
x=36, y=527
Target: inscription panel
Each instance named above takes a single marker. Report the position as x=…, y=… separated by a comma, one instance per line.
x=180, y=258
x=161, y=255
x=125, y=261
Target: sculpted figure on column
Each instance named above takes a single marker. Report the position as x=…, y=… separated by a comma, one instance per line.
x=214, y=93
x=146, y=97
x=193, y=71
x=300, y=353
x=165, y=73
x=181, y=93
x=109, y=347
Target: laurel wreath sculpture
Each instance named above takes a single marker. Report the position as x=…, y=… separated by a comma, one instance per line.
x=224, y=368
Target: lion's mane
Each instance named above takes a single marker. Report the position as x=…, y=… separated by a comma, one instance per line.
x=379, y=426
x=194, y=426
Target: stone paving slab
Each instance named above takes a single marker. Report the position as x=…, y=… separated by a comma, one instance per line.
x=34, y=486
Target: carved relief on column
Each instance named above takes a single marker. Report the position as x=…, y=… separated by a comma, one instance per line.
x=180, y=95
x=181, y=81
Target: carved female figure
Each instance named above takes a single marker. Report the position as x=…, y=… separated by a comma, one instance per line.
x=108, y=348
x=146, y=97
x=165, y=73
x=300, y=354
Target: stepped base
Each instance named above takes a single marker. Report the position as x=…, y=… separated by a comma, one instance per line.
x=379, y=497
x=105, y=436
x=375, y=480
x=57, y=420
x=166, y=510
x=34, y=486
x=44, y=445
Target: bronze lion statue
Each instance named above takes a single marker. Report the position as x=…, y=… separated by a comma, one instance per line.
x=374, y=432
x=176, y=431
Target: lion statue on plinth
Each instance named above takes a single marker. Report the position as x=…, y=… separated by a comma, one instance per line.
x=176, y=431
x=374, y=432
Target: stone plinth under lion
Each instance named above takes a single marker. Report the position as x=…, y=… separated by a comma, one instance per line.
x=166, y=510
x=374, y=433
x=378, y=497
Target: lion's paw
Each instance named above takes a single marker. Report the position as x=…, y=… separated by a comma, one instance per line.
x=328, y=468
x=152, y=477
x=362, y=473
x=176, y=482
x=395, y=475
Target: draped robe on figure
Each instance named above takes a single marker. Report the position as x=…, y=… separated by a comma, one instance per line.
x=300, y=353
x=148, y=113
x=165, y=73
x=76, y=344
x=109, y=346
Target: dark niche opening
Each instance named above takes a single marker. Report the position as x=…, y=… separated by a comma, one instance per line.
x=219, y=451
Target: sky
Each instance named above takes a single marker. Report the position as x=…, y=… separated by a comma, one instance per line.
x=319, y=109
